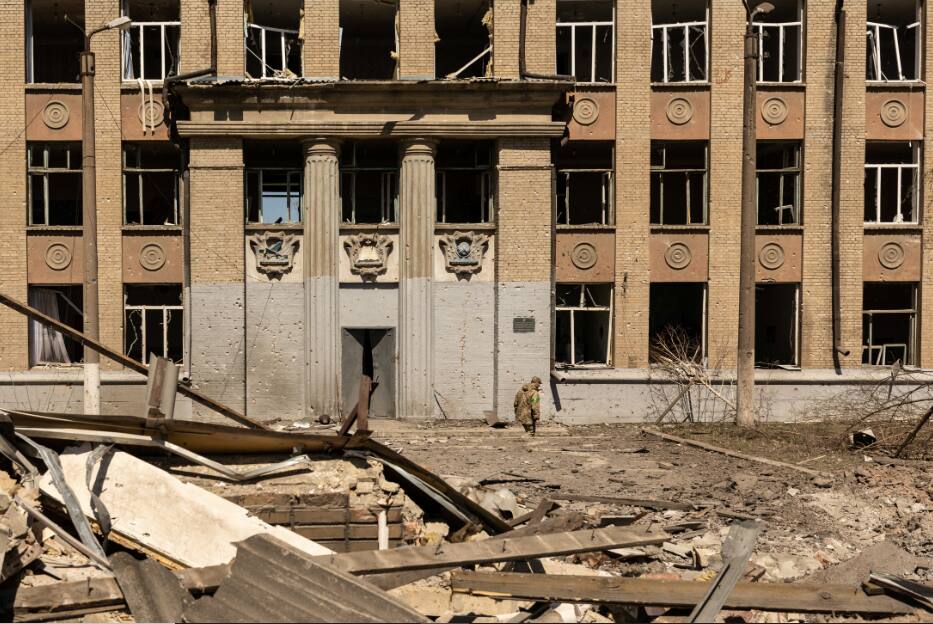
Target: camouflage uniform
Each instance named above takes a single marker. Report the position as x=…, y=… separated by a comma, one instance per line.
x=528, y=405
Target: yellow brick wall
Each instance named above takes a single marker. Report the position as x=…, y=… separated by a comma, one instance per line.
x=633, y=190
x=231, y=54
x=217, y=233
x=505, y=38
x=195, y=44
x=541, y=37
x=320, y=54
x=416, y=39
x=13, y=338
x=523, y=241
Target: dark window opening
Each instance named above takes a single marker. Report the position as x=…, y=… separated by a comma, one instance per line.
x=150, y=44
x=150, y=184
x=583, y=332
x=893, y=35
x=776, y=324
x=584, y=189
x=273, y=49
x=677, y=322
x=48, y=345
x=369, y=181
x=586, y=40
x=780, y=42
x=889, y=323
x=778, y=183
x=274, y=182
x=464, y=46
x=892, y=182
x=368, y=40
x=679, y=41
x=678, y=183
x=154, y=322
x=55, y=186
x=465, y=182
x=53, y=45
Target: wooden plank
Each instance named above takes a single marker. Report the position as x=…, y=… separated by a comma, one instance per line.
x=651, y=592
x=303, y=515
x=618, y=500
x=736, y=454
x=339, y=532
x=490, y=550
x=344, y=546
x=736, y=550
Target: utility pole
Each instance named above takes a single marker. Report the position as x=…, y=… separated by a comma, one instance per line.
x=89, y=217
x=745, y=361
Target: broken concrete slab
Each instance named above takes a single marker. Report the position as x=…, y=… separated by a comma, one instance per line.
x=881, y=557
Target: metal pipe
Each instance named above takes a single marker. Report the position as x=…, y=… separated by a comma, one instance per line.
x=522, y=73
x=89, y=225
x=838, y=92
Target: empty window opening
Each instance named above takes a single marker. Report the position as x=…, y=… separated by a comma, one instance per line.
x=465, y=182
x=54, y=171
x=678, y=182
x=464, y=45
x=778, y=183
x=889, y=323
x=48, y=345
x=586, y=40
x=153, y=322
x=777, y=324
x=584, y=186
x=583, y=336
x=369, y=181
x=893, y=40
x=679, y=41
x=273, y=49
x=677, y=322
x=53, y=45
x=892, y=182
x=780, y=42
x=150, y=44
x=150, y=184
x=274, y=182
x=368, y=39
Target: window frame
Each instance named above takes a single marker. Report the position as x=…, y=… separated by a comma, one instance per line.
x=662, y=171
x=140, y=171
x=873, y=50
x=290, y=173
x=582, y=307
x=910, y=347
x=388, y=193
x=915, y=166
x=781, y=27
x=261, y=57
x=166, y=316
x=665, y=51
x=608, y=195
x=796, y=171
x=128, y=43
x=45, y=171
x=594, y=25
x=488, y=189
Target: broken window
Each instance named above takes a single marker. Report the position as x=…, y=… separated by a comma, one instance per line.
x=893, y=41
x=464, y=45
x=150, y=44
x=53, y=45
x=274, y=182
x=780, y=42
x=46, y=344
x=465, y=187
x=273, y=49
x=586, y=40
x=583, y=335
x=778, y=183
x=150, y=184
x=777, y=324
x=54, y=171
x=889, y=323
x=677, y=321
x=368, y=39
x=584, y=183
x=678, y=182
x=892, y=182
x=679, y=41
x=369, y=181
x=153, y=322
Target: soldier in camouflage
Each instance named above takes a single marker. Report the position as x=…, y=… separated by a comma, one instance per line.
x=528, y=405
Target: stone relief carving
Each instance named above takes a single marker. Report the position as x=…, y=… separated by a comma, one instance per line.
x=57, y=256
x=369, y=254
x=151, y=114
x=774, y=111
x=679, y=111
x=275, y=252
x=55, y=115
x=464, y=252
x=678, y=256
x=893, y=113
x=585, y=111
x=891, y=255
x=152, y=257
x=583, y=256
x=771, y=256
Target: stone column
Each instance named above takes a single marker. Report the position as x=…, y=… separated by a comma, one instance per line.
x=322, y=284
x=417, y=207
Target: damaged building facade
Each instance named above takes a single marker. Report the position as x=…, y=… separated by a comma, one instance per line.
x=454, y=196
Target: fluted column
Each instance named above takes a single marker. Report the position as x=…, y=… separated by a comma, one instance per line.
x=322, y=285
x=415, y=293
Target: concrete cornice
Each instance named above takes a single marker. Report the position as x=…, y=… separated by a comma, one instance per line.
x=371, y=129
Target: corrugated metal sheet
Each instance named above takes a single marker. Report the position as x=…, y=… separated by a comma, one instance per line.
x=270, y=581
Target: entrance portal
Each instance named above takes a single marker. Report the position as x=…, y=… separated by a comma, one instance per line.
x=369, y=351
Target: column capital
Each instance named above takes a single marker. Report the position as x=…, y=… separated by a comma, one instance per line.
x=321, y=146
x=419, y=146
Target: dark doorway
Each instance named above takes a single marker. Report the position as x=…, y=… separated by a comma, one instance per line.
x=776, y=324
x=369, y=352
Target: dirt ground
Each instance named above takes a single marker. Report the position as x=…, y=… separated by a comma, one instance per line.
x=813, y=528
